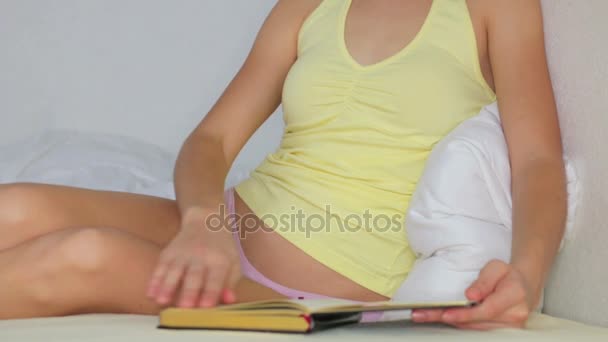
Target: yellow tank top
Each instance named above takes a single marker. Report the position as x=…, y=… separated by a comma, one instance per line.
x=356, y=139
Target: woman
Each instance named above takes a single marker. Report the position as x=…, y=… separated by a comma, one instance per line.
x=368, y=87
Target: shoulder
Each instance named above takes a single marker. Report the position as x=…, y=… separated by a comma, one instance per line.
x=296, y=9
x=287, y=16
x=520, y=16
x=285, y=19
x=508, y=7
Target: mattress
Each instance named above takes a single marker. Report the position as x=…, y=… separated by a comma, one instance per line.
x=129, y=328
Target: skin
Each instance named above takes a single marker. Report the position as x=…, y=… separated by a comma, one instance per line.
x=195, y=266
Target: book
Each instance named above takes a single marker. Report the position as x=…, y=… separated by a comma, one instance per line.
x=296, y=316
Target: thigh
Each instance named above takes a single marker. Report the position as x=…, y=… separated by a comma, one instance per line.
x=86, y=270
x=74, y=271
x=30, y=210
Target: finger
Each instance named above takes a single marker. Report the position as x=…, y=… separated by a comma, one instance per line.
x=228, y=294
x=192, y=285
x=234, y=276
x=170, y=282
x=427, y=316
x=156, y=279
x=493, y=306
x=214, y=284
x=486, y=282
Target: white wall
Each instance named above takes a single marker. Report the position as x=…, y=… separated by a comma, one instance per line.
x=145, y=68
x=577, y=41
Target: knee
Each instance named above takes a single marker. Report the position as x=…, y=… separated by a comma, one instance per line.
x=77, y=257
x=18, y=202
x=74, y=263
x=85, y=251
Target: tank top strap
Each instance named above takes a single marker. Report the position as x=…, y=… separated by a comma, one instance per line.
x=320, y=25
x=452, y=30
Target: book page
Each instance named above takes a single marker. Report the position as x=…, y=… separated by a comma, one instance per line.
x=300, y=305
x=332, y=305
x=399, y=305
x=341, y=305
x=314, y=305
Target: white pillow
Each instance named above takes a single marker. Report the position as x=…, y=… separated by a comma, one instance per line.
x=95, y=161
x=89, y=160
x=459, y=217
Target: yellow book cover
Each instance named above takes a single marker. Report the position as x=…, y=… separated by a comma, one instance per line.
x=299, y=316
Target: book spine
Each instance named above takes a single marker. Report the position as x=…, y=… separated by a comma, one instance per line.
x=309, y=321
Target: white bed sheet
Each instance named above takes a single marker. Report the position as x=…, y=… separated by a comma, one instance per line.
x=129, y=328
x=95, y=161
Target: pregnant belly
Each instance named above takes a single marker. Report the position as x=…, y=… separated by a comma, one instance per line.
x=284, y=263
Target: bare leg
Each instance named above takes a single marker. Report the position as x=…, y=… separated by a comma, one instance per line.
x=85, y=270
x=76, y=271
x=31, y=210
x=50, y=265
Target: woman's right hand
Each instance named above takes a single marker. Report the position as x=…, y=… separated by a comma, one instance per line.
x=201, y=264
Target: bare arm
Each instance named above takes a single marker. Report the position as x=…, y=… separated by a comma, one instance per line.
x=508, y=292
x=530, y=123
x=203, y=261
x=529, y=118
x=253, y=94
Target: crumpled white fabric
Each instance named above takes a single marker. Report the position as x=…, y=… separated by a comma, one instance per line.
x=93, y=160
x=90, y=160
x=459, y=217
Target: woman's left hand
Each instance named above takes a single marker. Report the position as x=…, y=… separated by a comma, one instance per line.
x=505, y=299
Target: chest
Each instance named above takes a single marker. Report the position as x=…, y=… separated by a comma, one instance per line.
x=421, y=93
x=425, y=88
x=374, y=30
